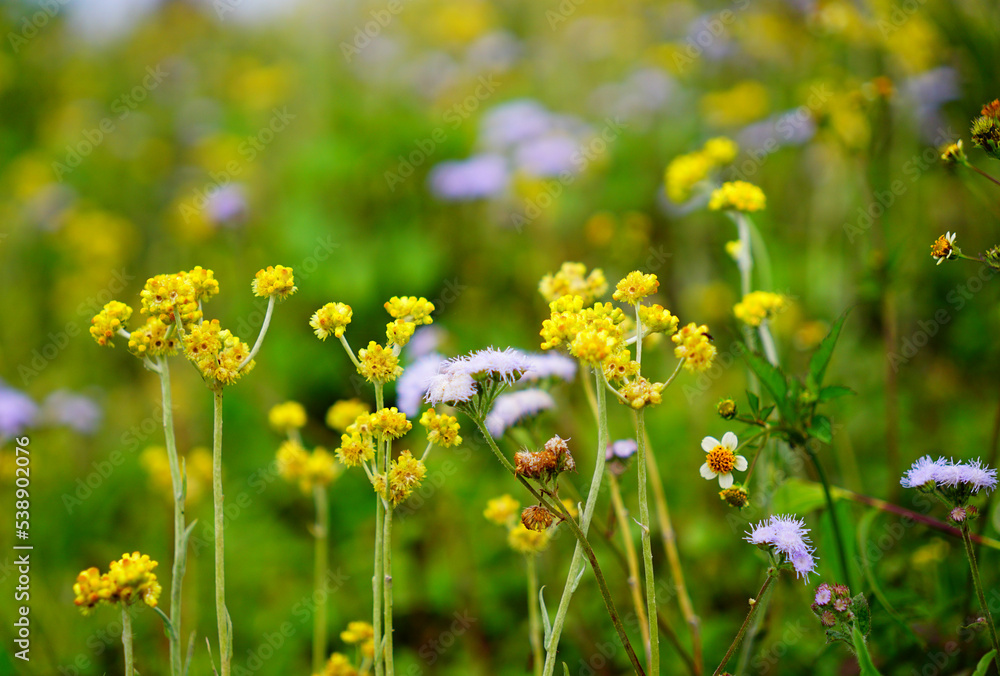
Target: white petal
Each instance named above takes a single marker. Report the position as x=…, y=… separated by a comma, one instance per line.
x=708, y=443
x=741, y=463
x=725, y=480
x=706, y=472
x=730, y=441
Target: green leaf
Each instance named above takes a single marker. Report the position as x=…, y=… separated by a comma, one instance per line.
x=774, y=381
x=833, y=392
x=821, y=357
x=545, y=615
x=765, y=412
x=864, y=659
x=565, y=669
x=984, y=664
x=862, y=614
x=864, y=545
x=821, y=429
x=754, y=402
x=797, y=496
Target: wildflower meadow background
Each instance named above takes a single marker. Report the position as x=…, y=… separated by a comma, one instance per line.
x=499, y=337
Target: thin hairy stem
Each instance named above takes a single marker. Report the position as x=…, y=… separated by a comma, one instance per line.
x=180, y=540
x=647, y=547
x=322, y=533
x=632, y=562
x=978, y=584
x=534, y=621
x=222, y=614
x=755, y=605
x=378, y=578
x=127, y=640
x=263, y=332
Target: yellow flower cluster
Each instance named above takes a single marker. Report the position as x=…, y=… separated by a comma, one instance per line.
x=360, y=633
x=502, y=510
x=357, y=444
x=527, y=541
x=290, y=415
x=217, y=353
x=694, y=345
x=573, y=280
x=344, y=412
x=338, y=665
x=737, y=195
x=620, y=366
x=109, y=321
x=308, y=469
x=197, y=467
x=378, y=364
x=758, y=306
x=399, y=332
x=274, y=280
x=389, y=423
x=410, y=309
x=592, y=334
x=129, y=578
x=168, y=297
x=153, y=339
x=331, y=318
x=635, y=286
x=405, y=475
x=686, y=171
x=205, y=285
x=657, y=319
x=442, y=429
x=640, y=393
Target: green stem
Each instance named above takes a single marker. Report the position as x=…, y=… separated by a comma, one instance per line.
x=534, y=622
x=978, y=584
x=180, y=541
x=838, y=537
x=632, y=562
x=754, y=607
x=577, y=563
x=127, y=640
x=322, y=534
x=865, y=663
x=377, y=576
x=647, y=548
x=387, y=572
x=556, y=507
x=222, y=614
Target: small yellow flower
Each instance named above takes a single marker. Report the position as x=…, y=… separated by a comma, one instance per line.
x=721, y=459
x=572, y=280
x=290, y=415
x=217, y=353
x=694, y=346
x=106, y=324
x=954, y=153
x=527, y=541
x=635, y=286
x=338, y=665
x=344, y=412
x=151, y=340
x=331, y=318
x=399, y=332
x=571, y=507
x=320, y=470
x=721, y=150
x=168, y=297
x=378, y=364
x=357, y=632
x=685, y=172
x=92, y=588
x=502, y=510
x=410, y=309
x=757, y=306
x=657, y=319
x=727, y=409
x=442, y=429
x=405, y=475
x=292, y=460
x=734, y=248
x=355, y=449
x=735, y=496
x=205, y=285
x=277, y=281
x=944, y=247
x=641, y=393
x=389, y=423
x=737, y=195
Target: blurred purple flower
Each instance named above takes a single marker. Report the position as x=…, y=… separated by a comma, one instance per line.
x=76, y=411
x=17, y=412
x=478, y=177
x=412, y=385
x=928, y=91
x=549, y=365
x=515, y=406
x=793, y=127
x=548, y=156
x=425, y=340
x=227, y=206
x=514, y=122
x=623, y=449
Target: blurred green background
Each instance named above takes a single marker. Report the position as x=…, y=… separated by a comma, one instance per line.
x=147, y=137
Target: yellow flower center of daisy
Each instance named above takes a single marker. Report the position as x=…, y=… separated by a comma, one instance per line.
x=941, y=248
x=721, y=460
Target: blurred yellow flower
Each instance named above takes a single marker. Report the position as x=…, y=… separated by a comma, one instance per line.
x=344, y=412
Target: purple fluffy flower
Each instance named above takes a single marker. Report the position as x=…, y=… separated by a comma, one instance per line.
x=79, y=413
x=480, y=176
x=622, y=449
x=510, y=408
x=17, y=412
x=412, y=385
x=507, y=365
x=449, y=388
x=973, y=474
x=788, y=535
x=823, y=594
x=549, y=365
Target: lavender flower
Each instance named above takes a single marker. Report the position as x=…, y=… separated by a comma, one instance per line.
x=508, y=365
x=923, y=471
x=511, y=408
x=227, y=206
x=17, y=412
x=787, y=535
x=548, y=156
x=823, y=594
x=412, y=385
x=425, y=340
x=449, y=388
x=480, y=176
x=622, y=449
x=549, y=365
x=79, y=413
x=514, y=122
x=973, y=475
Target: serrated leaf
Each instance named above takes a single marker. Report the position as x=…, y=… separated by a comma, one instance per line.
x=862, y=614
x=821, y=429
x=774, y=382
x=754, y=402
x=984, y=664
x=833, y=392
x=821, y=357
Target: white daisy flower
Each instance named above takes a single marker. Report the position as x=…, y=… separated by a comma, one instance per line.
x=722, y=459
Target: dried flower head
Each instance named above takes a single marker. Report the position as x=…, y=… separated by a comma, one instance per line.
x=536, y=518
